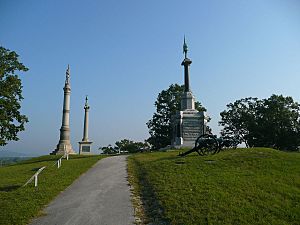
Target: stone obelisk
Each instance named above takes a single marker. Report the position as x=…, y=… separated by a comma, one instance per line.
x=85, y=144
x=64, y=145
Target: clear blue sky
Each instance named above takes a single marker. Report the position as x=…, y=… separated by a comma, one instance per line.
x=123, y=53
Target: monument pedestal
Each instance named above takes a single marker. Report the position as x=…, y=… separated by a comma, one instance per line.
x=187, y=101
x=63, y=147
x=85, y=147
x=188, y=125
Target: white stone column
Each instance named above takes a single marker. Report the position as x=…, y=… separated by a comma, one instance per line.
x=86, y=121
x=85, y=144
x=64, y=145
x=66, y=106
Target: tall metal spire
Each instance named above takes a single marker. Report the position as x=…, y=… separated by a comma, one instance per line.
x=185, y=47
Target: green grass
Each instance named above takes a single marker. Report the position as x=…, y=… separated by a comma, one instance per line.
x=18, y=205
x=242, y=186
x=4, y=161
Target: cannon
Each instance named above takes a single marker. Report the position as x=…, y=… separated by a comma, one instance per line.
x=208, y=144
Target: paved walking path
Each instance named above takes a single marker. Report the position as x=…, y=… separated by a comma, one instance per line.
x=101, y=196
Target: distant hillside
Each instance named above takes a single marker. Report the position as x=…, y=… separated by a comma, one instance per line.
x=5, y=154
x=4, y=161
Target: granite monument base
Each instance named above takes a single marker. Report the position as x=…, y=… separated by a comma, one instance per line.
x=187, y=101
x=85, y=147
x=188, y=125
x=63, y=148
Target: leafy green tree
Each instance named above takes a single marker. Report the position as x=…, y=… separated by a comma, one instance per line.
x=167, y=103
x=272, y=122
x=239, y=119
x=108, y=150
x=125, y=145
x=11, y=120
x=131, y=146
x=278, y=120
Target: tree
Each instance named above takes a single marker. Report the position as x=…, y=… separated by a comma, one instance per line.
x=108, y=150
x=278, y=120
x=167, y=103
x=272, y=122
x=129, y=146
x=238, y=120
x=11, y=120
x=125, y=146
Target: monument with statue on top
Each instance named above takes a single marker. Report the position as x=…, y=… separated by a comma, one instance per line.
x=188, y=123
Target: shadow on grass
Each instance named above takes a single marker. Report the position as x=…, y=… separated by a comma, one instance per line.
x=35, y=169
x=9, y=188
x=177, y=158
x=153, y=210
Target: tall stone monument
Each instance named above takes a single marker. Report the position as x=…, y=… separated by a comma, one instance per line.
x=64, y=145
x=85, y=144
x=188, y=123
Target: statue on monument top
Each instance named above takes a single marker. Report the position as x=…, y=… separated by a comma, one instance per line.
x=185, y=48
x=186, y=63
x=68, y=75
x=86, y=106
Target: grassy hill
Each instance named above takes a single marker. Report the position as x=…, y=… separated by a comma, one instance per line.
x=20, y=204
x=242, y=186
x=4, y=161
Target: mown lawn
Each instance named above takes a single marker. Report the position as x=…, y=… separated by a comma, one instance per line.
x=242, y=186
x=18, y=205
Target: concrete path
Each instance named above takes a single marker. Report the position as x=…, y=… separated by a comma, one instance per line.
x=101, y=196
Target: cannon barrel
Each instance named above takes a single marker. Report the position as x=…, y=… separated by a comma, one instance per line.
x=187, y=152
x=209, y=144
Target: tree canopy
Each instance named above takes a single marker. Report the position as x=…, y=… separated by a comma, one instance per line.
x=129, y=146
x=272, y=122
x=125, y=146
x=167, y=103
x=108, y=149
x=11, y=120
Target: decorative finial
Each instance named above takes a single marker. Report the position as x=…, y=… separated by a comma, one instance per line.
x=68, y=75
x=185, y=47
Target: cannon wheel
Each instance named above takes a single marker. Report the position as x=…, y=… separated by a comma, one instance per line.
x=209, y=146
x=228, y=143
